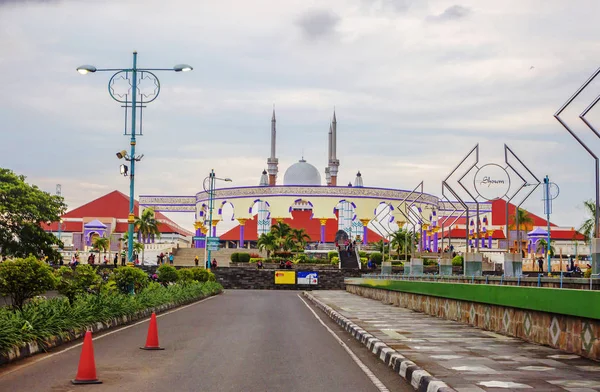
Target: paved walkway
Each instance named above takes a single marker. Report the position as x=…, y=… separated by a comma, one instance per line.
x=466, y=358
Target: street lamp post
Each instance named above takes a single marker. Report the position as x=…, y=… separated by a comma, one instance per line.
x=211, y=199
x=130, y=100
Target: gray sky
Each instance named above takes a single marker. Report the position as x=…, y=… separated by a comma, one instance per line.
x=416, y=84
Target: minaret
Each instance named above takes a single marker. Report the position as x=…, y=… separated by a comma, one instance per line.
x=327, y=174
x=334, y=163
x=273, y=162
x=358, y=181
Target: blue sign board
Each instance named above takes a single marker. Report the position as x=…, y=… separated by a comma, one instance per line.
x=307, y=277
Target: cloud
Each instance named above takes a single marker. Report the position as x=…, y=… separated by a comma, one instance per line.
x=454, y=12
x=24, y=2
x=318, y=24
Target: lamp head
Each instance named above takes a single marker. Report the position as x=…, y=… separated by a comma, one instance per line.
x=121, y=154
x=85, y=69
x=182, y=68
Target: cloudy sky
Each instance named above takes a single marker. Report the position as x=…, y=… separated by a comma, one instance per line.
x=416, y=84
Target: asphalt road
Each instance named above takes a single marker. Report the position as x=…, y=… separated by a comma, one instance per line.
x=242, y=340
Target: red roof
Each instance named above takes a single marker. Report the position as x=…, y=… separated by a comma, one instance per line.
x=112, y=205
x=300, y=220
x=566, y=235
x=499, y=215
x=450, y=219
x=66, y=226
x=461, y=233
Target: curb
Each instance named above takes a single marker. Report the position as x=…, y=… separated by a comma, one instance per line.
x=32, y=348
x=419, y=378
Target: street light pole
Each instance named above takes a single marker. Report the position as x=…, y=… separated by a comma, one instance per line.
x=131, y=217
x=132, y=102
x=211, y=188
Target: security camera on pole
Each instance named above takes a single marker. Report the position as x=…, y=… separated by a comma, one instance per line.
x=132, y=98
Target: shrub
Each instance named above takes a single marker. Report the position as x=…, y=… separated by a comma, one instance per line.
x=130, y=278
x=254, y=256
x=376, y=258
x=255, y=259
x=335, y=260
x=331, y=254
x=362, y=254
x=234, y=257
x=74, y=282
x=457, y=261
x=429, y=262
x=167, y=274
x=203, y=275
x=301, y=258
x=285, y=255
x=41, y=319
x=185, y=275
x=243, y=257
x=21, y=279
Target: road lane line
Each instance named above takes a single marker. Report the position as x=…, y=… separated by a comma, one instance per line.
x=378, y=384
x=19, y=367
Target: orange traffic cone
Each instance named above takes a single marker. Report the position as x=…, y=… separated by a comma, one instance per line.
x=86, y=372
x=152, y=339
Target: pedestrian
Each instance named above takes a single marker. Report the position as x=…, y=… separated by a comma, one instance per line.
x=116, y=260
x=162, y=258
x=123, y=259
x=213, y=264
x=541, y=264
x=196, y=260
x=105, y=260
x=370, y=264
x=259, y=264
x=171, y=258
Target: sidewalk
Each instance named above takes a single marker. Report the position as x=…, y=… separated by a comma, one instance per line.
x=466, y=358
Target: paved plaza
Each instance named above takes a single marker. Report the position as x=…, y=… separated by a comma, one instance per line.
x=466, y=358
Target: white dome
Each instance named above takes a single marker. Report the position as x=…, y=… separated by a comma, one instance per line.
x=302, y=173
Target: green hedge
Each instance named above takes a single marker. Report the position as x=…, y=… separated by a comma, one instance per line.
x=243, y=257
x=376, y=258
x=331, y=254
x=234, y=257
x=457, y=261
x=42, y=319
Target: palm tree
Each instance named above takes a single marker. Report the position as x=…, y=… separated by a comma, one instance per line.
x=542, y=245
x=137, y=248
x=300, y=237
x=588, y=227
x=268, y=242
x=524, y=220
x=281, y=230
x=147, y=226
x=102, y=244
x=400, y=240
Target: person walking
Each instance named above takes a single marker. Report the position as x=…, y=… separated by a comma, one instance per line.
x=196, y=260
x=213, y=264
x=171, y=258
x=116, y=260
x=541, y=264
x=123, y=259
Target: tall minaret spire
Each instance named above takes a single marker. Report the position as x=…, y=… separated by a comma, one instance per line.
x=327, y=175
x=334, y=163
x=273, y=162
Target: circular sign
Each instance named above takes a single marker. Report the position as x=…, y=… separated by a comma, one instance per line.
x=491, y=182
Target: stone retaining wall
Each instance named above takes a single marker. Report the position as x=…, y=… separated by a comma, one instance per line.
x=572, y=334
x=248, y=278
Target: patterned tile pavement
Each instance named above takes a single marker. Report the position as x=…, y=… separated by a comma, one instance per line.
x=466, y=358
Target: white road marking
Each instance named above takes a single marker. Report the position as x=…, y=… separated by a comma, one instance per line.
x=378, y=384
x=19, y=367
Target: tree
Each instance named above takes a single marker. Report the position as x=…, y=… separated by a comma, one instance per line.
x=542, y=245
x=147, y=226
x=21, y=279
x=281, y=230
x=74, y=282
x=102, y=244
x=300, y=237
x=588, y=227
x=268, y=242
x=23, y=210
x=138, y=247
x=400, y=240
x=524, y=219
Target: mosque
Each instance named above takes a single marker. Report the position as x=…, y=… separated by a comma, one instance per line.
x=367, y=214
